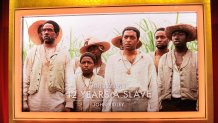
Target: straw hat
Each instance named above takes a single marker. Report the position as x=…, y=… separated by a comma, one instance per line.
x=189, y=29
x=93, y=41
x=117, y=42
x=35, y=34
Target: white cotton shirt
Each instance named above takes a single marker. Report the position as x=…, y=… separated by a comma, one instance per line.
x=86, y=98
x=44, y=100
x=141, y=79
x=176, y=83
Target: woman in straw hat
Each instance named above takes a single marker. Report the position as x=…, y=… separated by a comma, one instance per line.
x=178, y=71
x=48, y=82
x=130, y=77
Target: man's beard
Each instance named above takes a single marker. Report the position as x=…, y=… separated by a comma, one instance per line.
x=162, y=47
x=49, y=41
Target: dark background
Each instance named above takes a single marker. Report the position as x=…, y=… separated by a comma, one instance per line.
x=4, y=70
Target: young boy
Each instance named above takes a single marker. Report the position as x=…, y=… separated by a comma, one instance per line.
x=89, y=86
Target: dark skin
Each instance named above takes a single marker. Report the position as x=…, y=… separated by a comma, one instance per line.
x=48, y=35
x=94, y=49
x=161, y=43
x=66, y=109
x=179, y=39
x=26, y=109
x=162, y=46
x=129, y=41
x=87, y=66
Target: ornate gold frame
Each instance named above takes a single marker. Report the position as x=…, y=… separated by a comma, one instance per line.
x=19, y=8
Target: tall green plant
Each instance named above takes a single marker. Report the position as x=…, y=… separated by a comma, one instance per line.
x=30, y=44
x=148, y=28
x=193, y=45
x=75, y=45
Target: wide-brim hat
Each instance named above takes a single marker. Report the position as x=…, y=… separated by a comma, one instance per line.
x=117, y=42
x=34, y=36
x=93, y=41
x=189, y=29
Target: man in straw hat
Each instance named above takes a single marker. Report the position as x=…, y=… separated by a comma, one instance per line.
x=178, y=71
x=161, y=45
x=130, y=77
x=48, y=83
x=96, y=47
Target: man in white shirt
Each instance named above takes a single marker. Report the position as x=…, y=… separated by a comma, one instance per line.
x=48, y=84
x=178, y=71
x=130, y=77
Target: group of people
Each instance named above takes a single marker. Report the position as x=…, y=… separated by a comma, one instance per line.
x=130, y=81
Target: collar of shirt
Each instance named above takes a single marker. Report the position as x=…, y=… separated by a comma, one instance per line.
x=172, y=60
x=138, y=56
x=41, y=51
